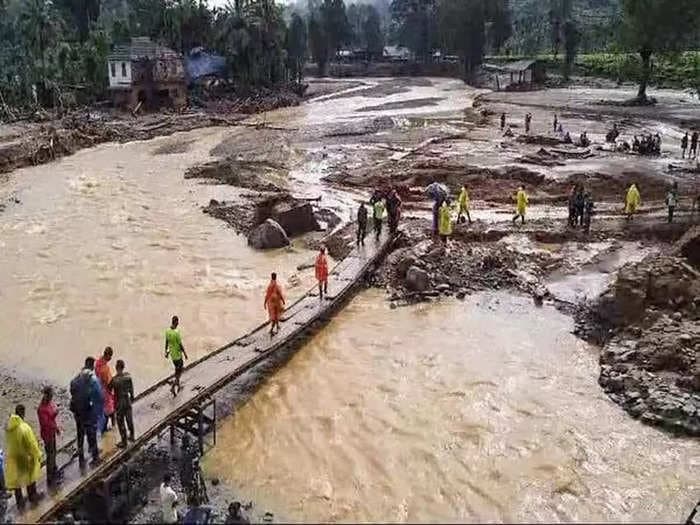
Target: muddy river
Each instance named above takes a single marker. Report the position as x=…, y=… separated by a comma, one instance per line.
x=481, y=410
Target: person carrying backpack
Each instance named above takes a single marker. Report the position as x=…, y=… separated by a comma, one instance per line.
x=86, y=403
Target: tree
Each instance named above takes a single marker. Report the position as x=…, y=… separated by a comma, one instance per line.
x=373, y=35
x=296, y=47
x=462, y=25
x=571, y=42
x=83, y=13
x=335, y=24
x=555, y=25
x=318, y=42
x=657, y=26
x=501, y=28
x=38, y=26
x=416, y=25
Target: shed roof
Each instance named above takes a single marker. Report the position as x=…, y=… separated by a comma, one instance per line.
x=141, y=47
x=519, y=65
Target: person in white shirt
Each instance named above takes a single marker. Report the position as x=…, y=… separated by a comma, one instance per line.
x=168, y=501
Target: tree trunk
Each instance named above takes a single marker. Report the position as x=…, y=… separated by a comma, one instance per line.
x=646, y=73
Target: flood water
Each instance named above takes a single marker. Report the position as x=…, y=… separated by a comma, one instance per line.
x=107, y=245
x=486, y=410
x=480, y=410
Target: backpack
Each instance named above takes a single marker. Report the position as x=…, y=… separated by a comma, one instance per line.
x=80, y=402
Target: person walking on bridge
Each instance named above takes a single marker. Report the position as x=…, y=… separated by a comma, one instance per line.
x=694, y=145
x=522, y=201
x=321, y=266
x=393, y=206
x=123, y=389
x=684, y=145
x=361, y=224
x=49, y=430
x=377, y=217
x=176, y=350
x=632, y=201
x=104, y=374
x=274, y=304
x=87, y=404
x=23, y=459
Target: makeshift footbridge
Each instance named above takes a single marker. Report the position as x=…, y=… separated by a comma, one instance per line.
x=155, y=410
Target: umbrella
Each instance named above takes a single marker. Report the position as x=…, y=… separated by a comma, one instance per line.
x=438, y=192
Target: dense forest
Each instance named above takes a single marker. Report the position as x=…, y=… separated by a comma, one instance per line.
x=51, y=47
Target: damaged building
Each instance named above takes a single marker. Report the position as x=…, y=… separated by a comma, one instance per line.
x=147, y=74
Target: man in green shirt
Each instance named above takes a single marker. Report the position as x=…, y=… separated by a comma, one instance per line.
x=176, y=350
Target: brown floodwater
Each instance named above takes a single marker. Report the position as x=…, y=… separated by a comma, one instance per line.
x=106, y=245
x=459, y=411
x=484, y=410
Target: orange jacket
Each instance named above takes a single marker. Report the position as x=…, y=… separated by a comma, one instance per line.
x=321, y=268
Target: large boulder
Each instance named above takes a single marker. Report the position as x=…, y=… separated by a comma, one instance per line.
x=295, y=220
x=267, y=236
x=417, y=280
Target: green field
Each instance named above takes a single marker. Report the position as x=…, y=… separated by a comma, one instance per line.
x=681, y=70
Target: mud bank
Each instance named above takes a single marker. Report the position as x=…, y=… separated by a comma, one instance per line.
x=30, y=143
x=649, y=320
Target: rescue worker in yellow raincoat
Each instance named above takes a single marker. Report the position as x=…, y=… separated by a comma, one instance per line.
x=445, y=222
x=22, y=458
x=521, y=206
x=464, y=205
x=632, y=201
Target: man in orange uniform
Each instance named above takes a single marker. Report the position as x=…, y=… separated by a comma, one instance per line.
x=274, y=304
x=322, y=273
x=104, y=374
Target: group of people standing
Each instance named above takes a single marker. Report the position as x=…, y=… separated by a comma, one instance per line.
x=98, y=398
x=580, y=207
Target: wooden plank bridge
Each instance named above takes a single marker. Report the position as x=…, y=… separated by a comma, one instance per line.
x=155, y=410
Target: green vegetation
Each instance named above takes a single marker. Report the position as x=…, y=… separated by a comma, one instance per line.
x=679, y=70
x=52, y=51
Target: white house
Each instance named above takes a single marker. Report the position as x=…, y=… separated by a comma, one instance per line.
x=119, y=71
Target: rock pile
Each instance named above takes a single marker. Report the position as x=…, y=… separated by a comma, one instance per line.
x=650, y=364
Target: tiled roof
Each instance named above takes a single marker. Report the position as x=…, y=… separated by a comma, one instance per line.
x=141, y=47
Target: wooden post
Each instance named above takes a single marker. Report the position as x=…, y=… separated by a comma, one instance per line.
x=172, y=435
x=214, y=419
x=200, y=428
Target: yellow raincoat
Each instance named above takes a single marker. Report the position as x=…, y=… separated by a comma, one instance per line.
x=22, y=454
x=464, y=201
x=633, y=199
x=445, y=224
x=522, y=201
